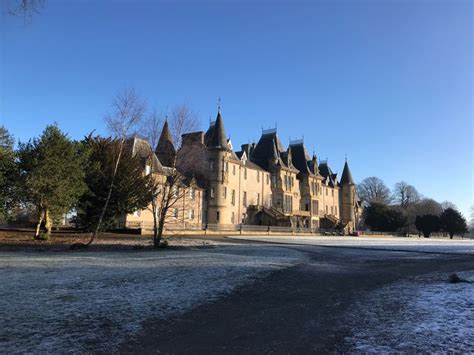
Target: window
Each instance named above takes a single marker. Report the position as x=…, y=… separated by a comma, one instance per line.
x=224, y=192
x=233, y=169
x=218, y=216
x=332, y=193
x=268, y=178
x=232, y=218
x=245, y=173
x=274, y=180
x=244, y=198
x=212, y=192
x=175, y=212
x=332, y=211
x=258, y=199
x=258, y=176
x=315, y=206
x=191, y=214
x=307, y=207
x=211, y=165
x=326, y=191
x=192, y=193
x=335, y=210
x=232, y=197
x=226, y=166
x=147, y=170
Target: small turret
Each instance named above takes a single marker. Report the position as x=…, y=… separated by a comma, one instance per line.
x=347, y=199
x=218, y=138
x=346, y=178
x=165, y=150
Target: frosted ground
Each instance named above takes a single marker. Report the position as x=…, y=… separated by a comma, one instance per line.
x=432, y=316
x=55, y=302
x=431, y=245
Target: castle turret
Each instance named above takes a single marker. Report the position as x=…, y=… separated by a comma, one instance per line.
x=218, y=151
x=348, y=200
x=165, y=150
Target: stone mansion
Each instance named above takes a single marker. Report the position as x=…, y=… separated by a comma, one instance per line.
x=262, y=184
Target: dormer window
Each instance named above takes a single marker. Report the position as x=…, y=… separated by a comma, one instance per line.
x=211, y=165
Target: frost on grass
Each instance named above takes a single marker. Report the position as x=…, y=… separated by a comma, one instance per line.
x=70, y=302
x=385, y=243
x=426, y=314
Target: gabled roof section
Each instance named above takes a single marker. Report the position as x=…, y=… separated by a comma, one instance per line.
x=165, y=150
x=216, y=137
x=346, y=178
x=141, y=148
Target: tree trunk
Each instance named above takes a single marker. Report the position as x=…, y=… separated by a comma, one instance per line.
x=160, y=232
x=38, y=224
x=451, y=235
x=109, y=194
x=156, y=242
x=48, y=223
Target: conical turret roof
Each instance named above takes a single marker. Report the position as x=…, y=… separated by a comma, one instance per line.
x=218, y=138
x=165, y=150
x=346, y=177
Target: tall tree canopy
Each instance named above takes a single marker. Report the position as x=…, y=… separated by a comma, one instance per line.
x=453, y=222
x=9, y=174
x=428, y=224
x=373, y=189
x=130, y=191
x=380, y=217
x=52, y=171
x=405, y=195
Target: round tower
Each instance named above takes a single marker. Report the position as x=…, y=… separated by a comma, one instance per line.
x=347, y=200
x=218, y=152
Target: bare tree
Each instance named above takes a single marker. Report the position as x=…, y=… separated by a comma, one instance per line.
x=172, y=187
x=373, y=189
x=405, y=194
x=448, y=204
x=127, y=112
x=25, y=8
x=183, y=119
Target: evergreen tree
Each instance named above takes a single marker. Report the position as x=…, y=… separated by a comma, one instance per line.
x=9, y=174
x=453, y=222
x=130, y=191
x=52, y=174
x=428, y=224
x=383, y=218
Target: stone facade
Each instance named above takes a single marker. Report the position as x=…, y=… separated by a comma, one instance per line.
x=262, y=184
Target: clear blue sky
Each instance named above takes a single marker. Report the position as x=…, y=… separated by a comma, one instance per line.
x=388, y=82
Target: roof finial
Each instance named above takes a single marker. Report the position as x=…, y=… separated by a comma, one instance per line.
x=346, y=157
x=219, y=104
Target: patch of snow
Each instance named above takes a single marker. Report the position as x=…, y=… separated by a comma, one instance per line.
x=88, y=301
x=385, y=243
x=423, y=315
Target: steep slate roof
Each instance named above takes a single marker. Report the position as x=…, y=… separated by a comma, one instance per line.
x=268, y=147
x=346, y=177
x=215, y=136
x=165, y=150
x=301, y=159
x=141, y=148
x=328, y=175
